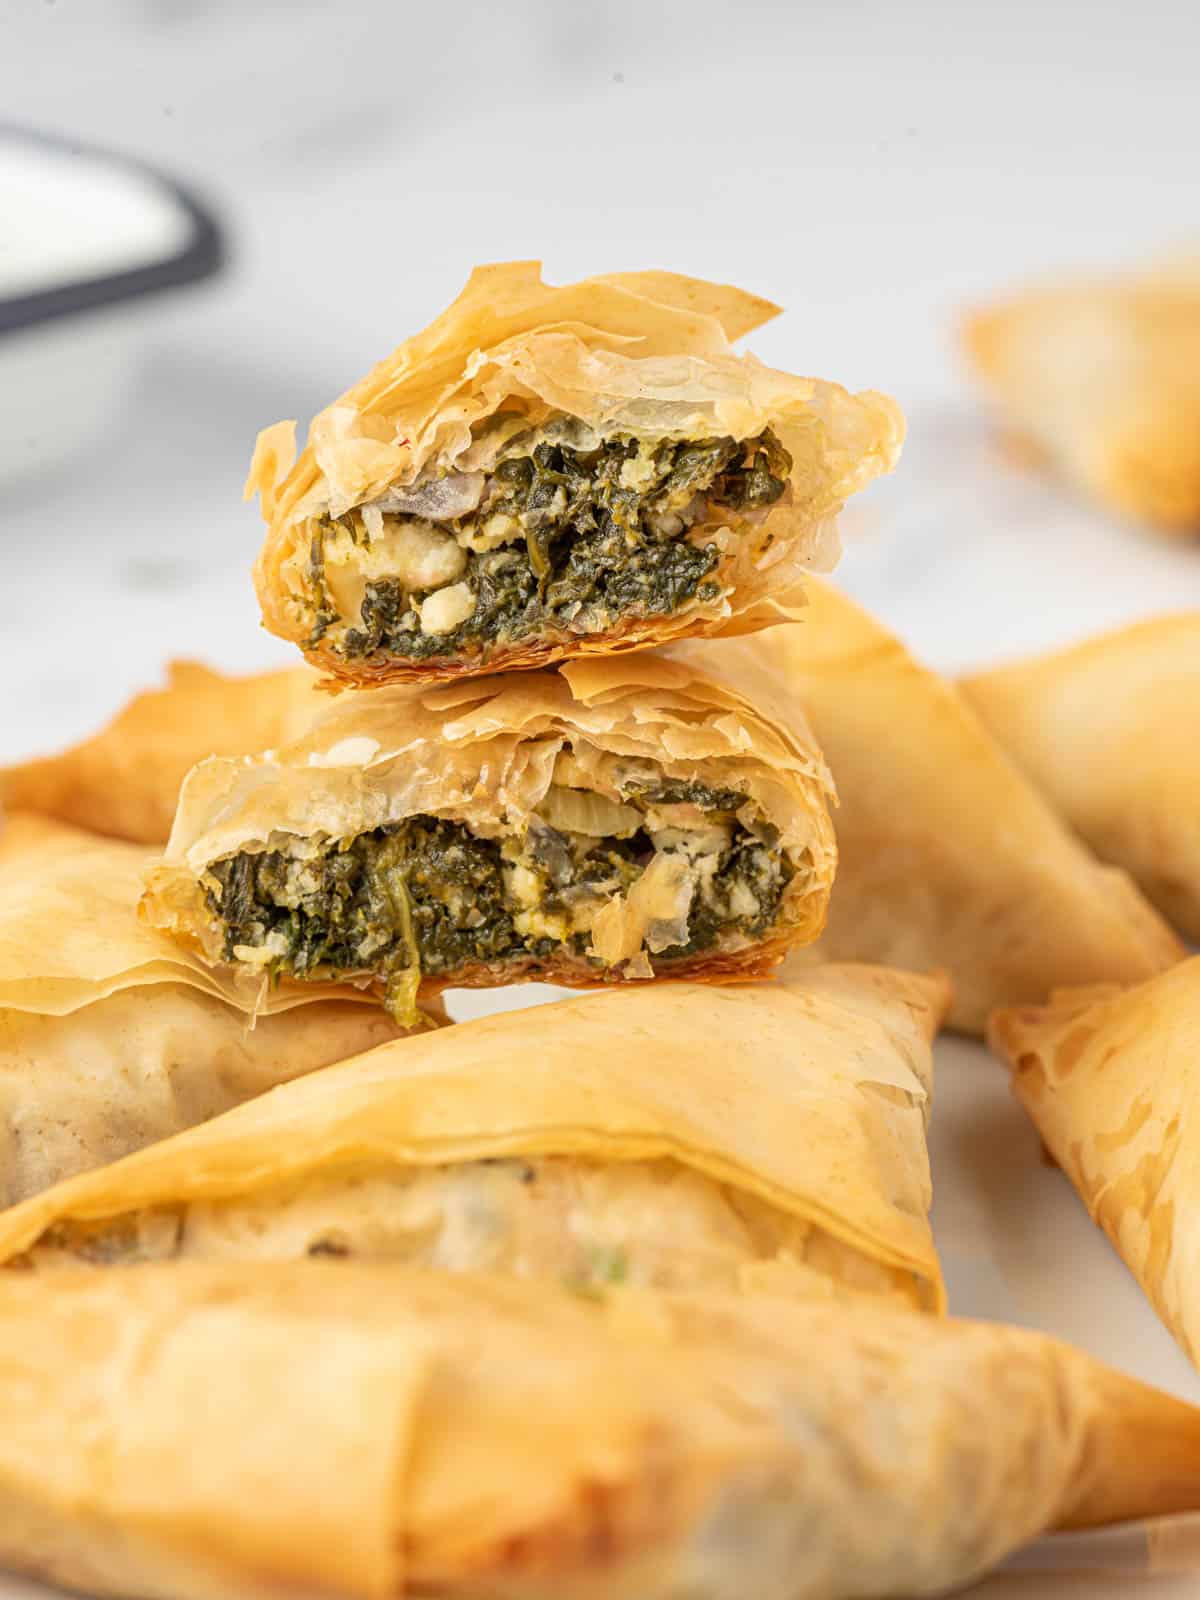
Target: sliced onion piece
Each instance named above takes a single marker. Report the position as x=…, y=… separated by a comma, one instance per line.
x=439, y=499
x=654, y=914
x=585, y=811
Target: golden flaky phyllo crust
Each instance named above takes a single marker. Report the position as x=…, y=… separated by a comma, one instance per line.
x=947, y=855
x=483, y=753
x=124, y=781
x=1111, y=1078
x=370, y=1432
x=1109, y=730
x=647, y=354
x=764, y=1135
x=113, y=1035
x=1101, y=379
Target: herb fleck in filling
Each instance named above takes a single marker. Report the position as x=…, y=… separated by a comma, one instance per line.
x=560, y=540
x=427, y=896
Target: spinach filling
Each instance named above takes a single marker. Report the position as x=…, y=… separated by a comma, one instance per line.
x=684, y=791
x=428, y=896
x=589, y=537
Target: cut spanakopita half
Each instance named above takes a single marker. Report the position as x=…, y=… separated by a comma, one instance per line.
x=111, y=1034
x=671, y=1136
x=1101, y=379
x=1111, y=1078
x=948, y=856
x=363, y=1432
x=1109, y=730
x=124, y=781
x=625, y=818
x=549, y=472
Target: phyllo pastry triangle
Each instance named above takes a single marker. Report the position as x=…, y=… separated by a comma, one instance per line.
x=948, y=856
x=1101, y=379
x=124, y=780
x=363, y=1432
x=672, y=1136
x=623, y=819
x=1111, y=1078
x=111, y=1034
x=549, y=472
x=1109, y=731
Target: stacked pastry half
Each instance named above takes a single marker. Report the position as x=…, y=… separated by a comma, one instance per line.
x=306, y=1288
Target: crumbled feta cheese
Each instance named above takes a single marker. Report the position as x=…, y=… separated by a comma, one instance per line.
x=523, y=885
x=541, y=925
x=742, y=901
x=415, y=552
x=273, y=947
x=422, y=557
x=498, y=529
x=694, y=840
x=638, y=471
x=443, y=611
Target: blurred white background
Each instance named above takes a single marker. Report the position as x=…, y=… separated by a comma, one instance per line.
x=873, y=166
x=870, y=165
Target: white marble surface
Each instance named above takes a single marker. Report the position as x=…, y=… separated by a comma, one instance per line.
x=872, y=166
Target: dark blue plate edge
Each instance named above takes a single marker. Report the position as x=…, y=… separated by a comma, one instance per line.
x=202, y=256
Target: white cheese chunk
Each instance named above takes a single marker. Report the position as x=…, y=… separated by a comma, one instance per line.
x=442, y=612
x=415, y=553
x=497, y=530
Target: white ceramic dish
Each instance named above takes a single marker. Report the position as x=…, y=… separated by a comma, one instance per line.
x=87, y=240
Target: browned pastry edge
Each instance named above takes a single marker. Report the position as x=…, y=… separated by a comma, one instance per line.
x=575, y=972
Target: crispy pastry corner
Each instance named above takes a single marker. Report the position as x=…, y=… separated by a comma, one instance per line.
x=368, y=1432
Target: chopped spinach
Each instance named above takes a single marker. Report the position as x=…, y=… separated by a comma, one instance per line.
x=601, y=1265
x=429, y=896
x=427, y=892
x=751, y=865
x=604, y=538
x=683, y=791
x=325, y=613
